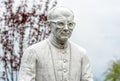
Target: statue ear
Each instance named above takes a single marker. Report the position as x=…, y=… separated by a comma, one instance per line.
x=49, y=25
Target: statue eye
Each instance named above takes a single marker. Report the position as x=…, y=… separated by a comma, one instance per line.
x=60, y=23
x=70, y=24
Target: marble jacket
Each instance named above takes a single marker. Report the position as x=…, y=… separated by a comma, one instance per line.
x=45, y=62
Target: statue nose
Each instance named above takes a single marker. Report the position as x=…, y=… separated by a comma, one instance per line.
x=66, y=27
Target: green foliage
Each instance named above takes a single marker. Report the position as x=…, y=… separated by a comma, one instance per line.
x=114, y=72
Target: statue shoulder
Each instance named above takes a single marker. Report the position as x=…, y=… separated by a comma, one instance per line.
x=78, y=47
x=38, y=46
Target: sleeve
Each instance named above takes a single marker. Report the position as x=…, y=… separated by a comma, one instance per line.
x=86, y=69
x=28, y=65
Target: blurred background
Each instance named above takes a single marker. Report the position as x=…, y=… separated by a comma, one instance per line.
x=22, y=23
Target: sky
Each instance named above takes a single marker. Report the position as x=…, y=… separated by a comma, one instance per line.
x=97, y=30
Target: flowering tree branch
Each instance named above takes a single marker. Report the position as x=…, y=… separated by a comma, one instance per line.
x=20, y=27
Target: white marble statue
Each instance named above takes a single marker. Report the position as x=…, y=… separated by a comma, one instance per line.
x=56, y=58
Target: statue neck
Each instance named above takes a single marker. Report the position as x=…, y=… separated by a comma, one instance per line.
x=58, y=43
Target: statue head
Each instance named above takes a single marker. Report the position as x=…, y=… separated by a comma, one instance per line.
x=60, y=20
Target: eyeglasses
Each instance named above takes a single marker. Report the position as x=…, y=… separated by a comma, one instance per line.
x=61, y=24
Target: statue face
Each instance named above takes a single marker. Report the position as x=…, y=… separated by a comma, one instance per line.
x=62, y=25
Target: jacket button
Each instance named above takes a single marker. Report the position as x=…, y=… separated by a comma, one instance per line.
x=64, y=60
x=65, y=70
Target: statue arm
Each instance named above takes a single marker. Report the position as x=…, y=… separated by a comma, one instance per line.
x=86, y=69
x=28, y=64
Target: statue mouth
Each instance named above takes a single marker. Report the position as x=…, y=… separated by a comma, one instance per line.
x=65, y=33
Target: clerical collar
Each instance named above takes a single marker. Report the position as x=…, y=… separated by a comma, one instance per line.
x=56, y=44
